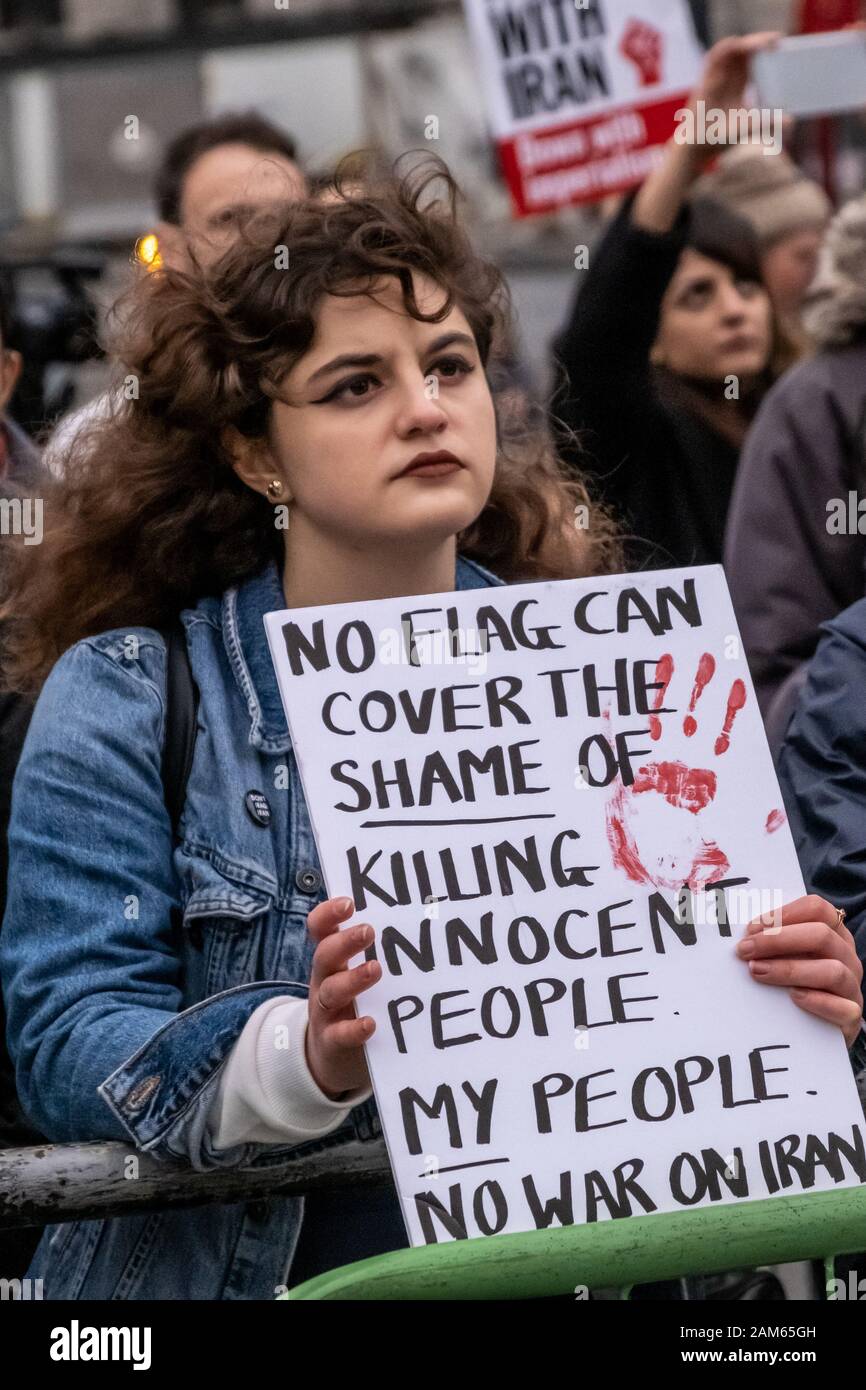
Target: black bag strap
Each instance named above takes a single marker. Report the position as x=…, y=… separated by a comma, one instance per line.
x=181, y=710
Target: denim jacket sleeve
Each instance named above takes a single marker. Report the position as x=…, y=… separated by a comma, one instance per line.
x=90, y=962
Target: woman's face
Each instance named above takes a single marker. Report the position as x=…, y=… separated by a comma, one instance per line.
x=790, y=266
x=713, y=324
x=376, y=393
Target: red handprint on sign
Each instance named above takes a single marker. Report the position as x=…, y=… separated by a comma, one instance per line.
x=650, y=838
x=643, y=45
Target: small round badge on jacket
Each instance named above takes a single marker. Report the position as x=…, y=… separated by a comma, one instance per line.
x=258, y=808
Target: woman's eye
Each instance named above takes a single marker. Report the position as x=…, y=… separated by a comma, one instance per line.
x=356, y=388
x=361, y=387
x=453, y=366
x=696, y=297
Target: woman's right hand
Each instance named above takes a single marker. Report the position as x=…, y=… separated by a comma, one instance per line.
x=727, y=71
x=721, y=86
x=335, y=1036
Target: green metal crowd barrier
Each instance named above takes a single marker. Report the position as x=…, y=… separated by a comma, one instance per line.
x=72, y=1182
x=610, y=1254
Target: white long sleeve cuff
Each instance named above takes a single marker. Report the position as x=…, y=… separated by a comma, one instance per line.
x=267, y=1093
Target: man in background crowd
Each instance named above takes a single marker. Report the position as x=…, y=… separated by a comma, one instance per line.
x=214, y=178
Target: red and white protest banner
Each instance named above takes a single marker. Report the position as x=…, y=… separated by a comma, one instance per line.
x=582, y=94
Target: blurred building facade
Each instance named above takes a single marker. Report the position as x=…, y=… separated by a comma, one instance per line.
x=92, y=90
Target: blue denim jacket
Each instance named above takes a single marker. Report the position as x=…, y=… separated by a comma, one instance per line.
x=130, y=967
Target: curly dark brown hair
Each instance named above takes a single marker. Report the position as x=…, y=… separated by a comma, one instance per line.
x=148, y=515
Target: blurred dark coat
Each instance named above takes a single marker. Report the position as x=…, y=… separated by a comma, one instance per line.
x=788, y=568
x=822, y=769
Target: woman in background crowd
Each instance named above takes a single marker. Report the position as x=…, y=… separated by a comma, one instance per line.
x=671, y=345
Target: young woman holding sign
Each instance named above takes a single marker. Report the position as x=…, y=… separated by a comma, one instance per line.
x=179, y=993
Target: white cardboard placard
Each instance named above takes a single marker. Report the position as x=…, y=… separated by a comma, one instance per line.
x=560, y=832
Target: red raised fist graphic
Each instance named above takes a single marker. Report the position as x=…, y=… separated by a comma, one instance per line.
x=643, y=45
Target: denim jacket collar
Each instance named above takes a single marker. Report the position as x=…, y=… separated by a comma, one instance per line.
x=243, y=608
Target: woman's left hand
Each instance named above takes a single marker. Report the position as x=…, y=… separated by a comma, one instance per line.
x=809, y=951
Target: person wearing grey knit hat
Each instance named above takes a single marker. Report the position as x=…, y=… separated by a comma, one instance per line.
x=788, y=212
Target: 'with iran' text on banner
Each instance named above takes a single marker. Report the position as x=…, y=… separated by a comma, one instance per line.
x=582, y=96
x=555, y=804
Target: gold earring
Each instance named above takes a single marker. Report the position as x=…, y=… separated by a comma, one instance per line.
x=275, y=489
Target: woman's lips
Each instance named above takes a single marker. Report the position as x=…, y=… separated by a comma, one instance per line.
x=431, y=470
x=743, y=342
x=433, y=464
